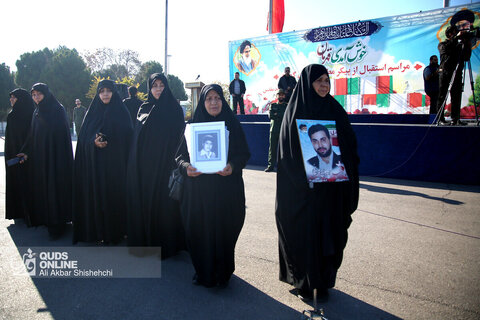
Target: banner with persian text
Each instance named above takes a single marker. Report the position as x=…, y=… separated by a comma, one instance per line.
x=375, y=66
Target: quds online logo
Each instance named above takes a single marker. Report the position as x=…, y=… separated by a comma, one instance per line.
x=30, y=262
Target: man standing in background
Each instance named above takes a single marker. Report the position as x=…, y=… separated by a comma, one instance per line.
x=430, y=77
x=78, y=115
x=287, y=83
x=275, y=114
x=237, y=90
x=132, y=103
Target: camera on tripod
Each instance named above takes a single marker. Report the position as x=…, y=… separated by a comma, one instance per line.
x=470, y=34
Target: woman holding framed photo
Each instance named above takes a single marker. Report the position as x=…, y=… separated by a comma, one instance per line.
x=213, y=205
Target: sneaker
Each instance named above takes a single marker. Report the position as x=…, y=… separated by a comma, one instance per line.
x=269, y=169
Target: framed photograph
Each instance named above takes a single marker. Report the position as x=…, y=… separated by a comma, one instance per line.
x=320, y=151
x=207, y=145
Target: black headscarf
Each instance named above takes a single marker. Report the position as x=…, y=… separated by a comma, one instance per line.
x=17, y=200
x=153, y=217
x=18, y=122
x=49, y=148
x=312, y=223
x=100, y=173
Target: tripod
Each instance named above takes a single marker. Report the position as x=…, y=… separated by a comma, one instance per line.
x=466, y=64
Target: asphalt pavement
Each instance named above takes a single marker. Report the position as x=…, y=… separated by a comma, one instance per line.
x=413, y=253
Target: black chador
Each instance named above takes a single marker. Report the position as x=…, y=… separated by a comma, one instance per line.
x=18, y=197
x=49, y=149
x=153, y=217
x=312, y=222
x=99, y=209
x=213, y=206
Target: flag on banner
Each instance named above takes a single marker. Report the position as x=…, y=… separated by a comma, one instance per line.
x=278, y=16
x=375, y=94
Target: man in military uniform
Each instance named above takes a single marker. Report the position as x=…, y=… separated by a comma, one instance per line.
x=78, y=115
x=276, y=116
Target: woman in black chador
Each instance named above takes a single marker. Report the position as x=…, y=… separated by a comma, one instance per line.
x=213, y=205
x=49, y=151
x=153, y=217
x=312, y=220
x=18, y=198
x=100, y=169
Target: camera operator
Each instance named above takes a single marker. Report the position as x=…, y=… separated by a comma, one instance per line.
x=456, y=49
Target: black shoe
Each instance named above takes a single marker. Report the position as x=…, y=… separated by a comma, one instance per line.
x=322, y=295
x=305, y=295
x=269, y=169
x=195, y=280
x=443, y=122
x=460, y=123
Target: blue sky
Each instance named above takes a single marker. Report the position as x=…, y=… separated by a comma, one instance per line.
x=199, y=31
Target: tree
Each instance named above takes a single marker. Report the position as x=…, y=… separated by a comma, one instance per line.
x=92, y=91
x=67, y=76
x=129, y=59
x=62, y=69
x=6, y=86
x=116, y=64
x=98, y=60
x=115, y=71
x=226, y=92
x=146, y=70
x=177, y=88
x=31, y=66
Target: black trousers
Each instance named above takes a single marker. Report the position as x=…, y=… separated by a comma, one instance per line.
x=455, y=92
x=238, y=99
x=433, y=95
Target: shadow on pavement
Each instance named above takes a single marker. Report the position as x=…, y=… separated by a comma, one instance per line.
x=171, y=296
x=343, y=306
x=422, y=184
x=407, y=193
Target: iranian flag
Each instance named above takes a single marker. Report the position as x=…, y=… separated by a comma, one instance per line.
x=277, y=15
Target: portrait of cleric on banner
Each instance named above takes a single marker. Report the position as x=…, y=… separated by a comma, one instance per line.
x=320, y=151
x=247, y=57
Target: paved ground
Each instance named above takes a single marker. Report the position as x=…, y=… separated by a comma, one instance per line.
x=413, y=253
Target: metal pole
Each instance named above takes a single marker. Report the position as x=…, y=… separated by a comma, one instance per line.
x=270, y=17
x=166, y=38
x=446, y=3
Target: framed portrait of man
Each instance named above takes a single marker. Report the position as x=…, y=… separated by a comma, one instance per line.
x=320, y=151
x=207, y=145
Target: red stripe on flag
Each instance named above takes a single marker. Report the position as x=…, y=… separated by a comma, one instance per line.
x=278, y=16
x=370, y=99
x=383, y=84
x=341, y=86
x=414, y=100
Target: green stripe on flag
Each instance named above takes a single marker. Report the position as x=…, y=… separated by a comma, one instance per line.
x=383, y=100
x=354, y=86
x=341, y=99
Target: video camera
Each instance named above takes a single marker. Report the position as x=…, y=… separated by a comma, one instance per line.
x=471, y=33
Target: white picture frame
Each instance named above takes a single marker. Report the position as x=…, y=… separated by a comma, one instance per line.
x=207, y=145
x=316, y=168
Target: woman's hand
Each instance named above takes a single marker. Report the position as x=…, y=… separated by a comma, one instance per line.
x=192, y=171
x=22, y=155
x=99, y=143
x=226, y=171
